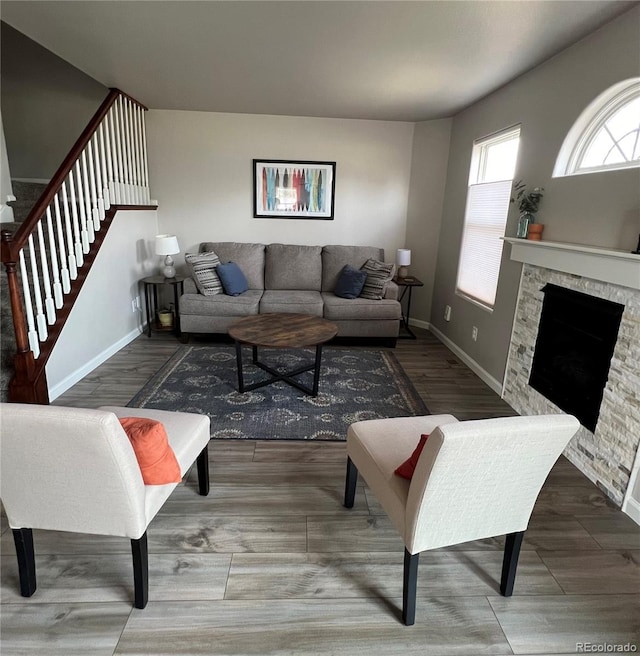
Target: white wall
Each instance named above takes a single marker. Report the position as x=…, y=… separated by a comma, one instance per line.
x=201, y=173
x=102, y=321
x=601, y=209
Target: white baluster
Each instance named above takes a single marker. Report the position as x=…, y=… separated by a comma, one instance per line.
x=104, y=155
x=125, y=157
x=71, y=258
x=136, y=152
x=145, y=168
x=119, y=171
x=77, y=245
x=32, y=333
x=131, y=151
x=91, y=227
x=78, y=216
x=55, y=268
x=95, y=215
x=40, y=318
x=139, y=115
x=62, y=252
x=96, y=157
x=106, y=135
x=49, y=305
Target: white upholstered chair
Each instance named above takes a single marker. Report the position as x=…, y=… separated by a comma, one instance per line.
x=473, y=480
x=73, y=469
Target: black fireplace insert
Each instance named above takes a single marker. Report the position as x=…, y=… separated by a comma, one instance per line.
x=576, y=339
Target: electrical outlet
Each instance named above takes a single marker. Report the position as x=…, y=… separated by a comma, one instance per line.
x=133, y=305
x=474, y=334
x=447, y=313
x=138, y=306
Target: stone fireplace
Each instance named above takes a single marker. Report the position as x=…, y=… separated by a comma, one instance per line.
x=606, y=453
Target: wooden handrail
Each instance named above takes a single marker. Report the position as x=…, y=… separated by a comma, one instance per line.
x=29, y=383
x=11, y=249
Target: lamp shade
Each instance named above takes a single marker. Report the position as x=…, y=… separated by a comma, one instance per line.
x=403, y=257
x=167, y=245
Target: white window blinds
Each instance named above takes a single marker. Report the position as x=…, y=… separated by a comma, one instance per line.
x=485, y=221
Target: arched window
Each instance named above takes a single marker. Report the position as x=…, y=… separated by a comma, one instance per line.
x=606, y=136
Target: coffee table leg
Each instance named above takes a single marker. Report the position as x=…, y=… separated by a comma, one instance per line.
x=239, y=366
x=316, y=371
x=254, y=354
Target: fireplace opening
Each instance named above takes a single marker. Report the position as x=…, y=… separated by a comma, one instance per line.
x=576, y=338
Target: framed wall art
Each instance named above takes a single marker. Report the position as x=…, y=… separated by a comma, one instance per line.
x=284, y=189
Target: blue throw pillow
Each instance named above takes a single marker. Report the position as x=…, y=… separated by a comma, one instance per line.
x=233, y=281
x=350, y=282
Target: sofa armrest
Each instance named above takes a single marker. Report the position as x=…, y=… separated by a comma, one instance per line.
x=391, y=291
x=190, y=286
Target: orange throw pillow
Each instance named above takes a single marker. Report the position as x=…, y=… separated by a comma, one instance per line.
x=150, y=443
x=407, y=468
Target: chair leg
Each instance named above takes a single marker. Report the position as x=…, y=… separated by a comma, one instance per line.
x=203, y=471
x=350, y=484
x=23, y=539
x=510, y=562
x=140, y=555
x=409, y=587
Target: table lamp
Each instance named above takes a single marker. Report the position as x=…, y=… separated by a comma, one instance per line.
x=403, y=260
x=167, y=245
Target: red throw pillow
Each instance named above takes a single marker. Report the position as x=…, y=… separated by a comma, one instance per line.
x=150, y=443
x=407, y=468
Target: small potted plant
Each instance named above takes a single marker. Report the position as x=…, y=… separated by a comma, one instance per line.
x=528, y=204
x=165, y=317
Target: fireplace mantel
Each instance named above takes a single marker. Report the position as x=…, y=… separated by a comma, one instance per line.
x=607, y=265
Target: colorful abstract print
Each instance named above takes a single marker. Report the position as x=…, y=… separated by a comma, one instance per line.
x=294, y=189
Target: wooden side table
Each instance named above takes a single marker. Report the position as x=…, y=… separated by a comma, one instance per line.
x=407, y=285
x=151, y=285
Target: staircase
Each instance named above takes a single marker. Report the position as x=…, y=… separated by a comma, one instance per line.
x=48, y=256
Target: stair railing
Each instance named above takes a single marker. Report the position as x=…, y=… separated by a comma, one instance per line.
x=48, y=257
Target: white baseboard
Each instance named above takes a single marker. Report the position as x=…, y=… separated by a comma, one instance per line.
x=631, y=507
x=87, y=368
x=420, y=324
x=494, y=384
x=35, y=180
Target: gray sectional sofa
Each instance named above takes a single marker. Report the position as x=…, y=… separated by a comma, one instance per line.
x=296, y=279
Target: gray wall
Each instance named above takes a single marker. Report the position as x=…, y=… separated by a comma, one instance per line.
x=426, y=193
x=601, y=209
x=46, y=103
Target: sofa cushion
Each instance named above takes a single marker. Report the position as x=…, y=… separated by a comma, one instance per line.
x=350, y=282
x=232, y=279
x=379, y=274
x=335, y=257
x=202, y=267
x=249, y=257
x=359, y=309
x=293, y=267
x=221, y=305
x=291, y=301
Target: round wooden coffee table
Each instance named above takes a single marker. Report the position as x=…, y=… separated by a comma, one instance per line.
x=280, y=330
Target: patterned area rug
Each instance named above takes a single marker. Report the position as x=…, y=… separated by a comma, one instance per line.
x=354, y=385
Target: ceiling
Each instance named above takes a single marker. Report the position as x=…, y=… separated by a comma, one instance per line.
x=395, y=60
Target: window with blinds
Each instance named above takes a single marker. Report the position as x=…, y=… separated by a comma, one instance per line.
x=493, y=165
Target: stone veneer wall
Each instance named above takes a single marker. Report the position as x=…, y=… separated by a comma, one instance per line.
x=606, y=456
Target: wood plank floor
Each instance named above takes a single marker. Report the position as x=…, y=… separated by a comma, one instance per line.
x=271, y=563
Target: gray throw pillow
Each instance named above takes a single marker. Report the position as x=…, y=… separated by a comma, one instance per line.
x=378, y=275
x=203, y=271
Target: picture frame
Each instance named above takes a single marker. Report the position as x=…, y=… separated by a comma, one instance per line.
x=293, y=189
